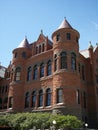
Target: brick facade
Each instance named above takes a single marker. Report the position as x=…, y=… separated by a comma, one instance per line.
x=53, y=76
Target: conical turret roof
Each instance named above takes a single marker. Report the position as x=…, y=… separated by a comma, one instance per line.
x=24, y=44
x=65, y=24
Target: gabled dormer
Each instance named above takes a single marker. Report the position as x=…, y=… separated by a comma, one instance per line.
x=42, y=44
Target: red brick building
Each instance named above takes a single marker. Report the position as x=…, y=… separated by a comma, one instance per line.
x=53, y=76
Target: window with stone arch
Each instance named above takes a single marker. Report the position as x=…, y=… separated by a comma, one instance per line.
x=49, y=68
x=27, y=98
x=41, y=98
x=17, y=74
x=39, y=48
x=59, y=95
x=63, y=56
x=48, y=97
x=29, y=74
x=55, y=62
x=33, y=102
x=35, y=72
x=42, y=70
x=73, y=61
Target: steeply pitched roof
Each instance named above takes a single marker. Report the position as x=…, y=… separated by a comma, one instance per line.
x=85, y=53
x=65, y=24
x=24, y=44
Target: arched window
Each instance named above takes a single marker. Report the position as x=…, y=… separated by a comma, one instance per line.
x=36, y=50
x=42, y=70
x=29, y=74
x=43, y=47
x=48, y=97
x=63, y=60
x=40, y=98
x=73, y=61
x=39, y=48
x=59, y=95
x=35, y=74
x=49, y=68
x=55, y=62
x=17, y=74
x=33, y=98
x=27, y=100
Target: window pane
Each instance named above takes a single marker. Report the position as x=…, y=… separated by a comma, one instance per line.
x=42, y=70
x=49, y=67
x=48, y=97
x=40, y=98
x=59, y=96
x=63, y=60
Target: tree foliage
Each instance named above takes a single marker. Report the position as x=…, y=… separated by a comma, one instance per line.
x=23, y=121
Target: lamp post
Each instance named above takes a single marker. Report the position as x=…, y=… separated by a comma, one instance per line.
x=86, y=125
x=54, y=124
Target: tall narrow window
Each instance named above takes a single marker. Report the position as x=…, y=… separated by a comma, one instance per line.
x=35, y=74
x=84, y=99
x=59, y=95
x=10, y=102
x=49, y=68
x=58, y=37
x=15, y=56
x=24, y=54
x=63, y=60
x=17, y=74
x=29, y=74
x=42, y=70
x=43, y=47
x=78, y=96
x=48, y=97
x=55, y=62
x=68, y=36
x=97, y=79
x=40, y=98
x=79, y=67
x=33, y=98
x=83, y=73
x=39, y=48
x=73, y=61
x=27, y=100
x=36, y=50
x=0, y=101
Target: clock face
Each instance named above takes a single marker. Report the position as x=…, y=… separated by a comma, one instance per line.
x=2, y=72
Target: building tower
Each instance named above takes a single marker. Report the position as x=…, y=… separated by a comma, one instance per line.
x=66, y=79
x=18, y=76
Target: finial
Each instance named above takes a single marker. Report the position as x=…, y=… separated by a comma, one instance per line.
x=65, y=18
x=97, y=44
x=41, y=31
x=90, y=45
x=25, y=37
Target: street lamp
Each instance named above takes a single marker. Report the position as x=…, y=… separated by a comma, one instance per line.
x=86, y=125
x=54, y=124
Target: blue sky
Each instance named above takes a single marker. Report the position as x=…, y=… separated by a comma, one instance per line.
x=20, y=18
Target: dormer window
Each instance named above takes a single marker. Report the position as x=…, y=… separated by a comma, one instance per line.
x=68, y=36
x=58, y=37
